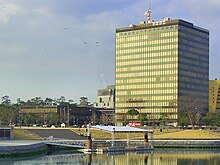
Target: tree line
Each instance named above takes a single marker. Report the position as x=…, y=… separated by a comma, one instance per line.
x=38, y=101
x=9, y=112
x=191, y=112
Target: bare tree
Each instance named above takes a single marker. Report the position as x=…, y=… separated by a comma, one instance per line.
x=191, y=107
x=94, y=118
x=106, y=118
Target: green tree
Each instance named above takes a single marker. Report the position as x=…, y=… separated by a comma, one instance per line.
x=48, y=101
x=62, y=99
x=37, y=101
x=7, y=115
x=53, y=119
x=132, y=113
x=29, y=119
x=142, y=118
x=20, y=102
x=83, y=102
x=6, y=100
x=212, y=119
x=183, y=119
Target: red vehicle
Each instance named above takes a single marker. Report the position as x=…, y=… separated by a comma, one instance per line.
x=135, y=124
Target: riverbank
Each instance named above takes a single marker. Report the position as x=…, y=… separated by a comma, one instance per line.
x=21, y=147
x=168, y=138
x=28, y=148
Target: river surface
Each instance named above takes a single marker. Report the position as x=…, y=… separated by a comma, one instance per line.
x=157, y=157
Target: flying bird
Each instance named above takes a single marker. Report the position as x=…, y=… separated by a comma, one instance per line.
x=85, y=42
x=97, y=43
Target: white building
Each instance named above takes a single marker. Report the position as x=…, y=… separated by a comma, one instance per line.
x=106, y=98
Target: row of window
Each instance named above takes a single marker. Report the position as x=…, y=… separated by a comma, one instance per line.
x=146, y=83
x=193, y=37
x=122, y=50
x=164, y=78
x=155, y=91
x=193, y=31
x=149, y=109
x=150, y=116
x=150, y=73
x=147, y=55
x=143, y=59
x=150, y=104
x=194, y=50
x=147, y=73
x=140, y=68
x=194, y=68
x=190, y=80
x=194, y=44
x=122, y=42
x=193, y=62
x=154, y=64
x=188, y=73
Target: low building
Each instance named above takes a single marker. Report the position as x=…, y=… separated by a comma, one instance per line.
x=6, y=133
x=40, y=113
x=214, y=95
x=79, y=116
x=75, y=115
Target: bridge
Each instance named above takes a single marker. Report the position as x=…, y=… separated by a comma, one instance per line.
x=65, y=142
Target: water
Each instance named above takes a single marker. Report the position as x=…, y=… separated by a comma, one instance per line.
x=158, y=157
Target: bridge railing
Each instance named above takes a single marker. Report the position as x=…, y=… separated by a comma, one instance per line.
x=65, y=142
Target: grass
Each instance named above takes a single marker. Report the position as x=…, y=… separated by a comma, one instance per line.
x=21, y=134
x=192, y=134
x=166, y=133
x=97, y=134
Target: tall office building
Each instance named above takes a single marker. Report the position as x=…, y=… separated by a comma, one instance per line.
x=156, y=63
x=214, y=95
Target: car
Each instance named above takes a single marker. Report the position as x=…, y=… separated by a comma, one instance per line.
x=53, y=126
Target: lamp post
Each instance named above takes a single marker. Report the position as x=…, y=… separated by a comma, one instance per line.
x=20, y=119
x=113, y=137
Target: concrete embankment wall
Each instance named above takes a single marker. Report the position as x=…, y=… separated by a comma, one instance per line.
x=168, y=143
x=23, y=149
x=186, y=143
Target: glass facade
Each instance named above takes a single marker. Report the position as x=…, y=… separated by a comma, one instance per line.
x=157, y=62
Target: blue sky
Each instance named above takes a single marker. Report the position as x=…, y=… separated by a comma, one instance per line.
x=42, y=49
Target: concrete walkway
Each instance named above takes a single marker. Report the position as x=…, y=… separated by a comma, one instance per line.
x=18, y=142
x=18, y=147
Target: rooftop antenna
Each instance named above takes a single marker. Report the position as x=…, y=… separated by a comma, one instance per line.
x=148, y=13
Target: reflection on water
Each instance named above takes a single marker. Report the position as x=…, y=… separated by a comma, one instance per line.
x=158, y=157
